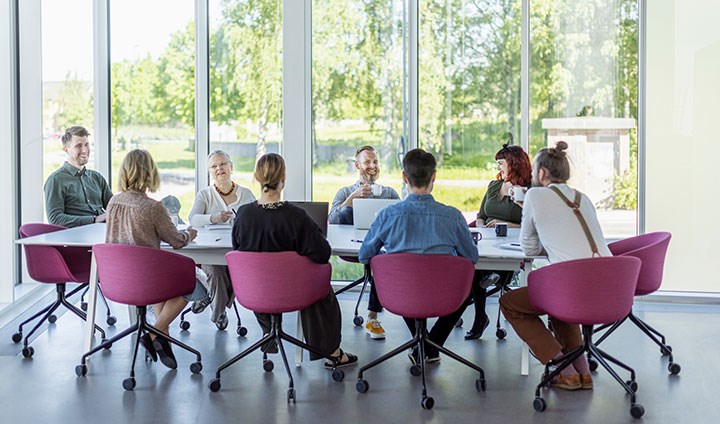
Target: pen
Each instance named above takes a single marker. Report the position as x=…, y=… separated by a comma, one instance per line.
x=356, y=241
x=218, y=239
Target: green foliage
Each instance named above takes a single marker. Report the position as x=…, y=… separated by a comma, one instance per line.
x=74, y=104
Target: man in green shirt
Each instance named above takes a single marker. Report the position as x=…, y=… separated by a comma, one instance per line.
x=75, y=195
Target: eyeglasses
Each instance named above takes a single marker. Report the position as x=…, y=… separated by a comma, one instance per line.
x=219, y=165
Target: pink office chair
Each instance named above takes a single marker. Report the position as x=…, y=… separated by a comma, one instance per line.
x=364, y=280
x=586, y=292
x=650, y=249
x=420, y=287
x=141, y=276
x=275, y=283
x=53, y=265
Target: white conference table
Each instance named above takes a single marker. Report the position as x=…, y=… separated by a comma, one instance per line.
x=210, y=247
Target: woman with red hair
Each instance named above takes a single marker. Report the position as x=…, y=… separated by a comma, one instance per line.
x=497, y=207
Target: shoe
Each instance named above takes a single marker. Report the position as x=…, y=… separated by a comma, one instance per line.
x=474, y=334
x=414, y=357
x=490, y=280
x=222, y=321
x=429, y=359
x=374, y=329
x=165, y=353
x=351, y=359
x=432, y=358
x=199, y=306
x=147, y=343
x=586, y=381
x=567, y=382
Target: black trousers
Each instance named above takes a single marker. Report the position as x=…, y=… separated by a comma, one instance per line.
x=442, y=328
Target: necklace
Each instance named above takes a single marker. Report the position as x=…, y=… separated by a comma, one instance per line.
x=222, y=193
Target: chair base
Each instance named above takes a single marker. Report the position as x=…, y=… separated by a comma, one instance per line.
x=278, y=335
x=419, y=341
x=653, y=334
x=139, y=328
x=630, y=386
x=110, y=319
x=48, y=311
x=240, y=330
x=365, y=280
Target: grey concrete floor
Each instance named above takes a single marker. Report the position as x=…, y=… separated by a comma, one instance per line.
x=44, y=389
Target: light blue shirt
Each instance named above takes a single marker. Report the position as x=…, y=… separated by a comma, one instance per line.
x=419, y=224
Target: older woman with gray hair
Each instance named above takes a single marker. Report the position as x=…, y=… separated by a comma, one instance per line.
x=216, y=204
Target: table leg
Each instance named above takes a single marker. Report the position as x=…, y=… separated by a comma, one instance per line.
x=524, y=350
x=92, y=298
x=300, y=336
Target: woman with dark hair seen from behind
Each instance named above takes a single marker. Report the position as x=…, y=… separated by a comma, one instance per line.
x=271, y=225
x=134, y=218
x=497, y=207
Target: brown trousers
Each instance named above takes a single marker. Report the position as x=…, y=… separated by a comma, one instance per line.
x=546, y=345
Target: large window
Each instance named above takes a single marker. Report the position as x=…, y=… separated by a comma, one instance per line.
x=469, y=100
x=152, y=54
x=357, y=75
x=67, y=72
x=583, y=90
x=245, y=82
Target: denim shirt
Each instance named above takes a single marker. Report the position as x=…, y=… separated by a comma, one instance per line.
x=419, y=224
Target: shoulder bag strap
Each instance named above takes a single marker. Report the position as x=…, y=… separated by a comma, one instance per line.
x=575, y=206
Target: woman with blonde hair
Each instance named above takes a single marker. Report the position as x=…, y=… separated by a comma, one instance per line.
x=134, y=218
x=271, y=225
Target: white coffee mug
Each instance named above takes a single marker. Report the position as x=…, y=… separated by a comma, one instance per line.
x=518, y=193
x=376, y=190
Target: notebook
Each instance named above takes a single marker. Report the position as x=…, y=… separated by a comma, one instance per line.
x=318, y=211
x=365, y=211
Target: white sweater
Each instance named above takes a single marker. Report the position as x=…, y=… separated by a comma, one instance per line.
x=549, y=225
x=208, y=202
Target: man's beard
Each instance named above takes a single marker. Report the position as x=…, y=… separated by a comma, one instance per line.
x=370, y=178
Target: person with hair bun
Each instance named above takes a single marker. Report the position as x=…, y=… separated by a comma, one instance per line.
x=497, y=207
x=550, y=227
x=272, y=225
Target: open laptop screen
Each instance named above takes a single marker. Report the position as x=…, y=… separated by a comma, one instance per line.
x=318, y=211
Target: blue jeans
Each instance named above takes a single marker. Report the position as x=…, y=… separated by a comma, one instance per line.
x=346, y=215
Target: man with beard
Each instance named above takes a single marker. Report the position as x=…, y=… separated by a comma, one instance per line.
x=75, y=195
x=341, y=212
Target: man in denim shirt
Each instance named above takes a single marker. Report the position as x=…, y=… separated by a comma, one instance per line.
x=419, y=224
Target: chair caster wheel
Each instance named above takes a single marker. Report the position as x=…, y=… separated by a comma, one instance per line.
x=539, y=404
x=338, y=375
x=16, y=337
x=109, y=345
x=362, y=386
x=664, y=352
x=83, y=306
x=196, y=367
x=459, y=323
x=28, y=352
x=129, y=383
x=242, y=331
x=415, y=370
x=291, y=396
x=214, y=385
x=111, y=320
x=674, y=368
x=268, y=365
x=501, y=333
x=184, y=325
x=637, y=410
x=81, y=370
x=52, y=319
x=427, y=402
x=633, y=385
x=593, y=364
x=358, y=320
x=480, y=385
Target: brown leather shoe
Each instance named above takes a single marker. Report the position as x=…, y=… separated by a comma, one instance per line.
x=586, y=381
x=567, y=382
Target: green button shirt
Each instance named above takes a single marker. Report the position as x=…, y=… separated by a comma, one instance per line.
x=75, y=197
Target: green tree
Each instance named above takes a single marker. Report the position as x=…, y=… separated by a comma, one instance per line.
x=74, y=103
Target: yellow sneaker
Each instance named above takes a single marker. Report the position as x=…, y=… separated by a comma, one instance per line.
x=374, y=329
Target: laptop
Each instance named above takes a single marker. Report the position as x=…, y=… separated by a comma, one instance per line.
x=318, y=211
x=365, y=211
